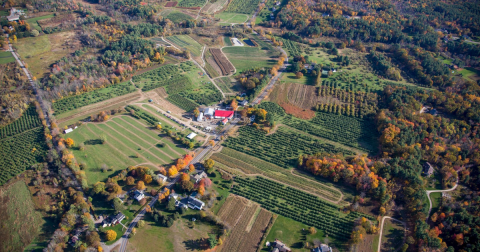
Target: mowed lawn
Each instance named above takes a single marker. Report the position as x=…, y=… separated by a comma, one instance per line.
x=33, y=21
x=293, y=233
x=6, y=57
x=129, y=142
x=393, y=234
x=232, y=18
x=186, y=42
x=243, y=57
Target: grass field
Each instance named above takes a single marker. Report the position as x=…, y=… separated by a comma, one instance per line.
x=436, y=198
x=290, y=77
x=232, y=18
x=191, y=3
x=393, y=234
x=126, y=138
x=33, y=21
x=227, y=85
x=41, y=52
x=294, y=233
x=21, y=223
x=244, y=58
x=227, y=41
x=6, y=57
x=187, y=42
x=177, y=17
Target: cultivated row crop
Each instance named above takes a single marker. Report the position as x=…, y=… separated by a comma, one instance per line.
x=243, y=6
x=28, y=120
x=298, y=205
x=182, y=102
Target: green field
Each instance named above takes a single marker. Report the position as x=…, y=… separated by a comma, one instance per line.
x=187, y=42
x=436, y=198
x=21, y=223
x=177, y=17
x=290, y=77
x=33, y=21
x=191, y=3
x=293, y=234
x=227, y=41
x=232, y=18
x=227, y=85
x=244, y=58
x=242, y=6
x=6, y=57
x=126, y=138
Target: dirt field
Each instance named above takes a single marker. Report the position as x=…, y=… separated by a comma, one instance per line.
x=171, y=4
x=248, y=222
x=297, y=99
x=222, y=61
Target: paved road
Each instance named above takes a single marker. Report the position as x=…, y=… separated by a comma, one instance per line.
x=271, y=84
x=381, y=230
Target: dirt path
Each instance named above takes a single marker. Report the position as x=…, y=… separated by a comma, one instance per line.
x=156, y=131
x=381, y=230
x=432, y=191
x=111, y=145
x=135, y=151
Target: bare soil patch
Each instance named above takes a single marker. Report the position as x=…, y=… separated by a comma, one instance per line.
x=171, y=4
x=222, y=61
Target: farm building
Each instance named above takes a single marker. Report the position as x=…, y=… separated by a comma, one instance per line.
x=278, y=246
x=197, y=177
x=162, y=178
x=68, y=130
x=427, y=169
x=322, y=248
x=15, y=14
x=195, y=203
x=191, y=135
x=200, y=117
x=224, y=121
x=208, y=112
x=138, y=195
x=222, y=114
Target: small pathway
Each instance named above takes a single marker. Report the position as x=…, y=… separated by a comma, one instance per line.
x=381, y=230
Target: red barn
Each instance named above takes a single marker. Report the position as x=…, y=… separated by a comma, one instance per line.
x=222, y=114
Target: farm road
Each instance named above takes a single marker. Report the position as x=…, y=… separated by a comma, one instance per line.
x=381, y=230
x=432, y=191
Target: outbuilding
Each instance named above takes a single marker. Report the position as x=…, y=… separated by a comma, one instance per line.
x=222, y=114
x=191, y=135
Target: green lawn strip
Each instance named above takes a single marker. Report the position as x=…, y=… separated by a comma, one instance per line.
x=7, y=60
x=95, y=155
x=293, y=233
x=127, y=127
x=436, y=198
x=221, y=186
x=160, y=116
x=305, y=80
x=165, y=140
x=33, y=21
x=187, y=42
x=141, y=143
x=392, y=237
x=135, y=148
x=227, y=41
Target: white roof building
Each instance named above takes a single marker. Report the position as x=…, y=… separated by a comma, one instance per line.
x=322, y=248
x=200, y=117
x=191, y=135
x=68, y=130
x=243, y=103
x=161, y=177
x=208, y=112
x=138, y=195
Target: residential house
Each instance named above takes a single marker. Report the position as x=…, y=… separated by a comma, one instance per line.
x=173, y=196
x=195, y=203
x=197, y=177
x=243, y=103
x=15, y=14
x=322, y=248
x=427, y=169
x=138, y=195
x=222, y=114
x=277, y=3
x=162, y=178
x=433, y=112
x=279, y=246
x=118, y=218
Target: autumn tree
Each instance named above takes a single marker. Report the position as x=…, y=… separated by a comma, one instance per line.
x=298, y=75
x=142, y=201
x=196, y=112
x=99, y=187
x=147, y=179
x=185, y=177
x=111, y=235
x=130, y=180
x=234, y=104
x=312, y=230
x=159, y=127
x=172, y=171
x=201, y=190
x=69, y=142
x=211, y=142
x=209, y=163
x=191, y=168
x=140, y=185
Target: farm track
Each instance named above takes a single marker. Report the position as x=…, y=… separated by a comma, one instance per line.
x=162, y=140
x=115, y=148
x=100, y=106
x=222, y=61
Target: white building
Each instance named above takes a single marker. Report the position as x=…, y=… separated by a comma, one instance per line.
x=243, y=103
x=195, y=203
x=322, y=248
x=138, y=195
x=191, y=135
x=200, y=117
x=209, y=112
x=162, y=178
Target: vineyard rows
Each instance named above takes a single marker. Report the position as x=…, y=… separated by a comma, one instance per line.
x=235, y=240
x=182, y=102
x=281, y=148
x=298, y=205
x=98, y=95
x=291, y=46
x=251, y=165
x=243, y=6
x=28, y=120
x=19, y=152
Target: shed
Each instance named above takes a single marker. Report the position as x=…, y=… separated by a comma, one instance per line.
x=200, y=117
x=68, y=130
x=224, y=121
x=191, y=135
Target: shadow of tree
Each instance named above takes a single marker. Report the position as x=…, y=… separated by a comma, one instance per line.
x=93, y=142
x=198, y=244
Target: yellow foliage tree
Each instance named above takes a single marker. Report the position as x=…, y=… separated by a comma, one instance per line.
x=147, y=178
x=111, y=235
x=69, y=142
x=140, y=185
x=172, y=172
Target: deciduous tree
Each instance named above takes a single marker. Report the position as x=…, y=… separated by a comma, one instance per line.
x=111, y=235
x=140, y=185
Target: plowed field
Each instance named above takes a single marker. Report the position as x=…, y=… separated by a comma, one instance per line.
x=222, y=61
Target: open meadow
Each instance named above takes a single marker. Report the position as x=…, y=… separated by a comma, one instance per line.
x=393, y=236
x=186, y=42
x=244, y=58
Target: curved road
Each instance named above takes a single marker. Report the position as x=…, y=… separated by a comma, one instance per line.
x=432, y=191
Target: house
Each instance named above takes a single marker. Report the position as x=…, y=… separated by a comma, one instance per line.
x=325, y=15
x=427, y=169
x=243, y=103
x=195, y=203
x=322, y=248
x=224, y=121
x=200, y=117
x=191, y=135
x=118, y=218
x=75, y=236
x=197, y=177
x=279, y=246
x=138, y=195
x=162, y=178
x=15, y=14
x=173, y=196
x=208, y=112
x=277, y=3
x=222, y=114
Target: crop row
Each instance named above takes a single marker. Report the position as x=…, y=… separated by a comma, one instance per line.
x=191, y=3
x=182, y=102
x=21, y=151
x=281, y=148
x=28, y=120
x=209, y=96
x=98, y=95
x=298, y=205
x=243, y=6
x=291, y=47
